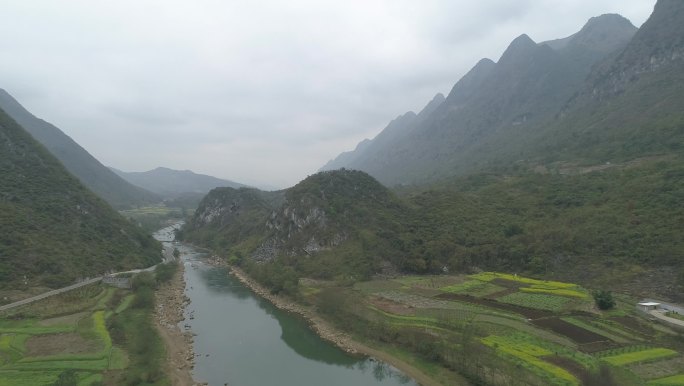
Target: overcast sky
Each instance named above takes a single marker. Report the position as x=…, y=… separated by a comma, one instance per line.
x=259, y=91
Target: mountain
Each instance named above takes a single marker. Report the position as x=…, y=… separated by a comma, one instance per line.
x=617, y=228
x=345, y=218
x=170, y=183
x=369, y=151
x=54, y=230
x=77, y=160
x=630, y=105
x=493, y=108
x=562, y=160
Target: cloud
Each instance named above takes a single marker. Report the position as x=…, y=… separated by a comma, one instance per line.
x=261, y=90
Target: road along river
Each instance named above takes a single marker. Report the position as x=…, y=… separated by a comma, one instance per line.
x=243, y=340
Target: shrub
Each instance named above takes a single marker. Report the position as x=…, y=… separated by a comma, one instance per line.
x=604, y=299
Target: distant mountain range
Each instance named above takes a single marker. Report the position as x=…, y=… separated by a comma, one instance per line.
x=591, y=97
x=54, y=230
x=562, y=160
x=170, y=183
x=97, y=177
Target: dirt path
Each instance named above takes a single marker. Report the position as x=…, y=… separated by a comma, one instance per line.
x=171, y=302
x=331, y=334
x=672, y=321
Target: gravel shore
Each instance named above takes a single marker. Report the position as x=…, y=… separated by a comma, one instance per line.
x=170, y=308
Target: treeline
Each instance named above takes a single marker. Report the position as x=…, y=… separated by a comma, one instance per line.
x=134, y=330
x=621, y=221
x=53, y=230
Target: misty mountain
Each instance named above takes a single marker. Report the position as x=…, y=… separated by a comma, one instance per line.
x=491, y=111
x=170, y=183
x=630, y=105
x=53, y=229
x=77, y=160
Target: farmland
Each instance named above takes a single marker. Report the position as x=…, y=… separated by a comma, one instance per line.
x=73, y=336
x=497, y=328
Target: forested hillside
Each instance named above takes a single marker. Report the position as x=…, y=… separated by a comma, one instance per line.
x=77, y=160
x=618, y=226
x=53, y=230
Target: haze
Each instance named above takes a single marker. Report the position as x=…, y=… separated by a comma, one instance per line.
x=260, y=92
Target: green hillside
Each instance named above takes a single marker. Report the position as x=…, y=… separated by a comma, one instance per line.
x=97, y=177
x=53, y=230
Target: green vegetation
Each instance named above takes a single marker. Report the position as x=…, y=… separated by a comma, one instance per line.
x=52, y=229
x=529, y=355
x=110, y=339
x=97, y=177
x=677, y=380
x=454, y=325
x=604, y=299
x=619, y=224
x=640, y=356
x=152, y=218
x=543, y=302
x=342, y=228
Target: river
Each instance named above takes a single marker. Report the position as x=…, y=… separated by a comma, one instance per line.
x=243, y=340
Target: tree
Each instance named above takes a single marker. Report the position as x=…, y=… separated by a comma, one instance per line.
x=67, y=378
x=604, y=299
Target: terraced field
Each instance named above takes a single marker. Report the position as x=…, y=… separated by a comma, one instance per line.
x=40, y=342
x=550, y=332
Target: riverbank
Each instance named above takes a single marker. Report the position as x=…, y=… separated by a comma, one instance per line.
x=169, y=311
x=328, y=332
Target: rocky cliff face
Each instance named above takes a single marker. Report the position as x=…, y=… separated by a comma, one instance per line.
x=659, y=43
x=319, y=214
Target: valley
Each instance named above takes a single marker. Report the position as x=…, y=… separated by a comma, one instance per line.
x=523, y=228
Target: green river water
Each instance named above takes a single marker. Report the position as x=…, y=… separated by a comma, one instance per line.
x=243, y=340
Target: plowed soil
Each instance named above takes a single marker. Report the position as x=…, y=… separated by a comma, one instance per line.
x=529, y=313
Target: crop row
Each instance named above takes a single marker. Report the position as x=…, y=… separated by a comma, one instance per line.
x=556, y=291
x=675, y=380
x=489, y=276
x=640, y=356
x=538, y=301
x=528, y=355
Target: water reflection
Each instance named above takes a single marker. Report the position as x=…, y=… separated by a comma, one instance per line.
x=244, y=340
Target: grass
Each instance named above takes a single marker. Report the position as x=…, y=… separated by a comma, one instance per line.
x=529, y=356
x=100, y=329
x=89, y=379
x=90, y=321
x=489, y=276
x=668, y=381
x=118, y=360
x=411, y=321
x=640, y=356
x=473, y=287
x=27, y=378
x=125, y=303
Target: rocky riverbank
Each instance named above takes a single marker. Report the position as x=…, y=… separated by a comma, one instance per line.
x=171, y=303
